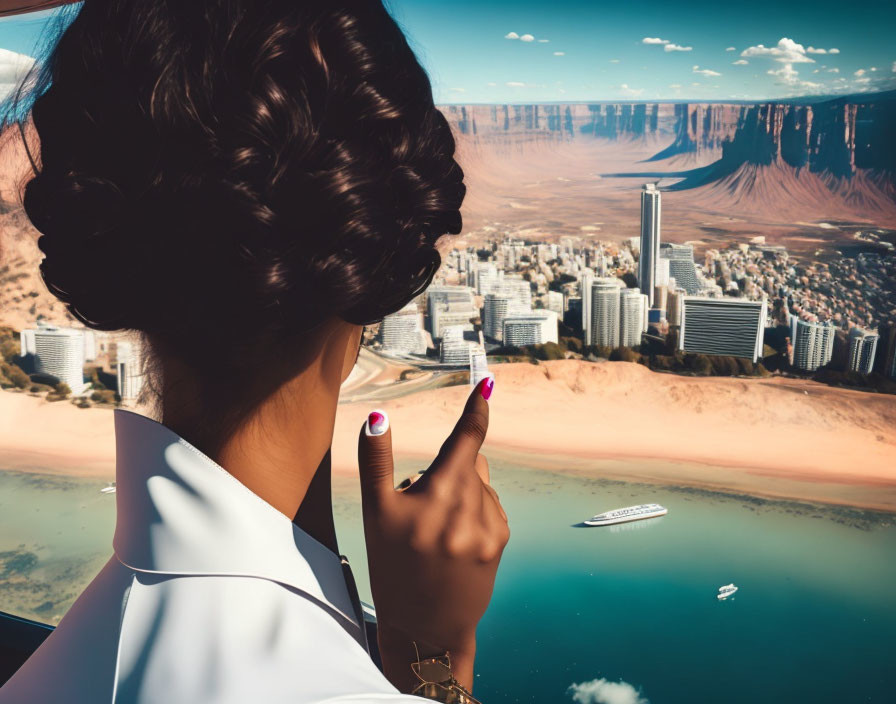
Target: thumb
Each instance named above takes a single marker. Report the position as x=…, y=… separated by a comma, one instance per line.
x=375, y=456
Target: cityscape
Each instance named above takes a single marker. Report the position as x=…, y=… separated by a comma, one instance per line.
x=751, y=302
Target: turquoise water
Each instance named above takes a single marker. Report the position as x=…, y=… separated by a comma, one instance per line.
x=814, y=620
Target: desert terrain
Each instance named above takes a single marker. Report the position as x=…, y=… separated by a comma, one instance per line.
x=771, y=437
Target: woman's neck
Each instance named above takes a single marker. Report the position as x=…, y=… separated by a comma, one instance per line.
x=279, y=449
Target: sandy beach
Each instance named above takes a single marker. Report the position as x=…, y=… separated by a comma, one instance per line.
x=771, y=437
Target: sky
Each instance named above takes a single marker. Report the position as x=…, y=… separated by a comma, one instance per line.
x=497, y=51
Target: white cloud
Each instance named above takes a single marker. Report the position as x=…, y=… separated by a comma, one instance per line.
x=633, y=92
x=603, y=691
x=860, y=72
x=789, y=76
x=516, y=84
x=559, y=53
x=511, y=35
x=833, y=51
x=675, y=85
x=833, y=70
x=786, y=51
x=457, y=90
x=813, y=50
x=864, y=81
x=705, y=71
x=893, y=67
x=731, y=48
x=491, y=84
x=874, y=68
x=614, y=61
x=543, y=41
x=740, y=62
x=527, y=38
x=666, y=44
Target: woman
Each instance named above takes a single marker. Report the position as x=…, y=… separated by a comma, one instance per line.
x=246, y=184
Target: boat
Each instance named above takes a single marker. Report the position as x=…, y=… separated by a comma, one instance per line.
x=624, y=515
x=110, y=489
x=726, y=591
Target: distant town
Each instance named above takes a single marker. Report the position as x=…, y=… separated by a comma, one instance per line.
x=750, y=309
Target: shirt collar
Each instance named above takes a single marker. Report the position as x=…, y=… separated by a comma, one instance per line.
x=180, y=513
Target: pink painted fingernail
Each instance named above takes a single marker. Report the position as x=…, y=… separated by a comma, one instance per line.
x=487, y=387
x=377, y=423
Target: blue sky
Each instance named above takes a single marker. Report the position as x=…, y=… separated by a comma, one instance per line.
x=571, y=50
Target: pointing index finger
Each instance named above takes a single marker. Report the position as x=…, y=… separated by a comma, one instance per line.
x=470, y=430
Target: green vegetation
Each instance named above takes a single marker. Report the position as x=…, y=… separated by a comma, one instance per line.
x=60, y=392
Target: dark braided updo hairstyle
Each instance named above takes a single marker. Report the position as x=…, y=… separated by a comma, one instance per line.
x=214, y=170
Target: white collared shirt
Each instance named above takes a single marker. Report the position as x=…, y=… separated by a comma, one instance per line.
x=212, y=595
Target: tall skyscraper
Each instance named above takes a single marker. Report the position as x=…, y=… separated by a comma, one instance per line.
x=402, y=332
x=605, y=312
x=723, y=326
x=650, y=239
x=585, y=282
x=862, y=348
x=632, y=317
x=453, y=313
x=813, y=343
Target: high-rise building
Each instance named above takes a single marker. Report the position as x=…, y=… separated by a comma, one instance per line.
x=478, y=365
x=486, y=277
x=650, y=239
x=554, y=301
x=632, y=317
x=812, y=343
x=585, y=282
x=862, y=348
x=129, y=365
x=605, y=312
x=676, y=304
x=437, y=295
x=535, y=328
x=402, y=332
x=454, y=348
x=723, y=326
x=504, y=300
x=59, y=352
x=682, y=267
x=444, y=315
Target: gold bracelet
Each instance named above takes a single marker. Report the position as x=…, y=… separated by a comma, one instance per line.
x=437, y=681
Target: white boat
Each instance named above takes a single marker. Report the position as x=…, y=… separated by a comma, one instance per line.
x=624, y=515
x=108, y=489
x=726, y=591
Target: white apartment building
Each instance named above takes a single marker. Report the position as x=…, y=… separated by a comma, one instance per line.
x=535, y=328
x=604, y=312
x=402, y=332
x=812, y=343
x=723, y=326
x=649, y=244
x=59, y=352
x=633, y=307
x=862, y=348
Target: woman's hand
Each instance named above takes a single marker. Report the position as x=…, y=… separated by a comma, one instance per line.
x=433, y=549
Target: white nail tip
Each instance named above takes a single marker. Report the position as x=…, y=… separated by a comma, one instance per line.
x=376, y=425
